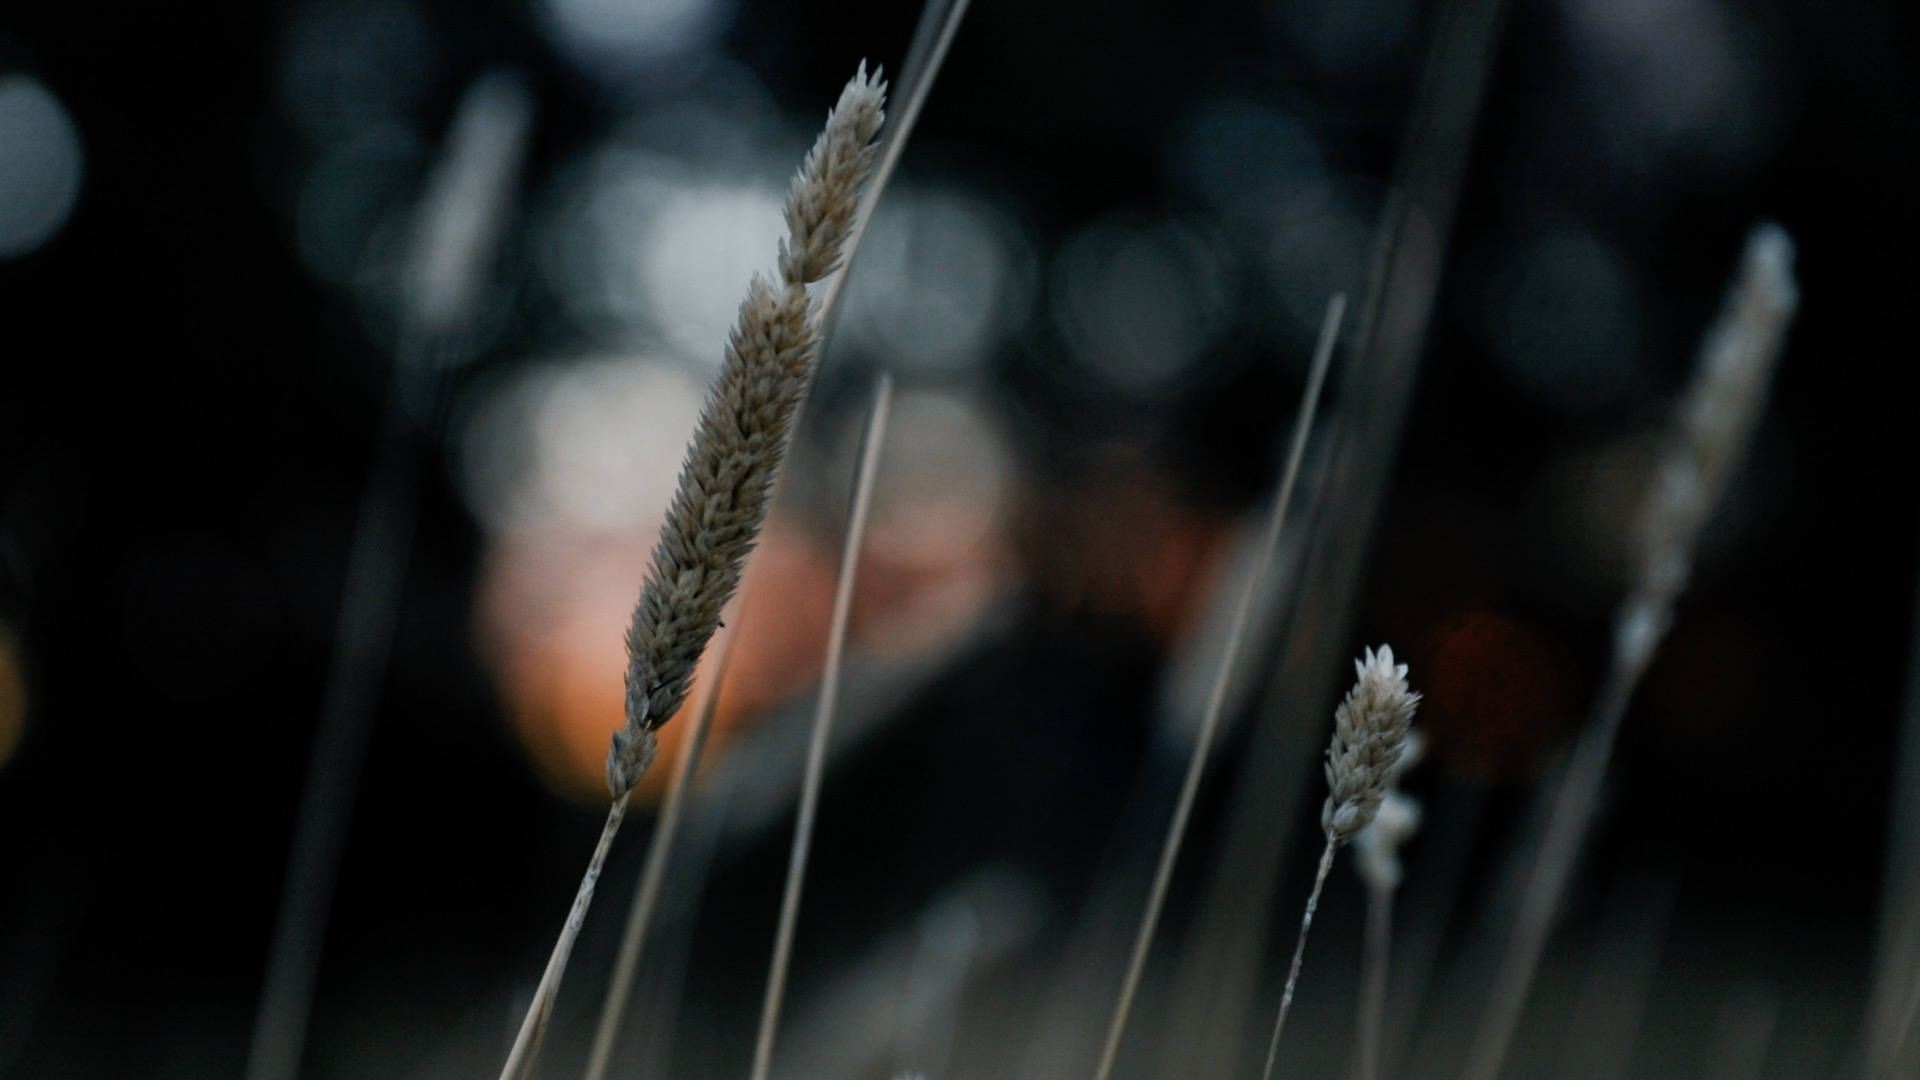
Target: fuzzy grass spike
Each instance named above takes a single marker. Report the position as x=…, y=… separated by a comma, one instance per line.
x=727, y=481
x=1370, y=731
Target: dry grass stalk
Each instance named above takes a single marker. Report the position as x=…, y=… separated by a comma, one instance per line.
x=727, y=481
x=816, y=765
x=1370, y=731
x=468, y=202
x=1214, y=994
x=1376, y=951
x=1716, y=421
x=526, y=1043
x=1376, y=851
x=1223, y=680
x=1742, y=1033
x=1892, y=1047
x=456, y=231
x=1622, y=967
x=819, y=212
x=653, y=873
x=932, y=38
x=1893, y=1012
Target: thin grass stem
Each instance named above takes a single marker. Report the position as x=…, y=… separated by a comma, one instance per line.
x=1236, y=916
x=526, y=1045
x=1893, y=1005
x=1742, y=1033
x=362, y=643
x=1716, y=417
x=1223, y=680
x=822, y=727
x=1622, y=969
x=653, y=873
x=1546, y=884
x=1374, y=966
x=916, y=85
x=1299, y=954
x=457, y=226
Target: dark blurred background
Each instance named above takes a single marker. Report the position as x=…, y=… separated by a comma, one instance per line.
x=1098, y=277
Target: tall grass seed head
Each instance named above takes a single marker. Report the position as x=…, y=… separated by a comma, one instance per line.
x=727, y=479
x=1370, y=730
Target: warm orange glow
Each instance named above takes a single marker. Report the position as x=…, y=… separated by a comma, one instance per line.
x=13, y=695
x=1121, y=541
x=1497, y=696
x=552, y=615
x=553, y=611
x=571, y=465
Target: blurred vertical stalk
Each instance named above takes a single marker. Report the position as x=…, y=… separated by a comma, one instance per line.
x=869, y=468
x=1893, y=1010
x=932, y=38
x=1254, y=585
x=1716, y=418
x=1742, y=1033
x=457, y=229
x=1622, y=967
x=1375, y=965
x=1221, y=973
x=1378, y=865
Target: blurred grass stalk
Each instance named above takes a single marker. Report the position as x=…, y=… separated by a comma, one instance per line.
x=933, y=37
x=456, y=230
x=1893, y=1009
x=1252, y=587
x=653, y=872
x=1372, y=744
x=1377, y=862
x=1622, y=967
x=1716, y=419
x=726, y=484
x=816, y=765
x=1216, y=987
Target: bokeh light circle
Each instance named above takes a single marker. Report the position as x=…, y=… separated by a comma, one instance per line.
x=41, y=163
x=1138, y=301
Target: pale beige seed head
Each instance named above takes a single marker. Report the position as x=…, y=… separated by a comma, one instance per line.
x=1369, y=738
x=634, y=749
x=716, y=514
x=825, y=196
x=727, y=479
x=1717, y=417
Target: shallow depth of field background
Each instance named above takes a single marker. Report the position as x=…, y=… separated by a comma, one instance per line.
x=1097, y=278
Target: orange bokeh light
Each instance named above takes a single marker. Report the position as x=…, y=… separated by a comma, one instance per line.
x=1497, y=696
x=552, y=614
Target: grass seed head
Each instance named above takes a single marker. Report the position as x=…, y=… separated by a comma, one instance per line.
x=727, y=480
x=825, y=197
x=1717, y=417
x=1370, y=731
